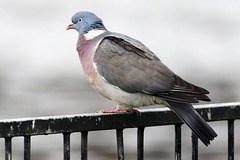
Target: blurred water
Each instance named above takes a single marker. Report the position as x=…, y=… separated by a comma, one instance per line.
x=40, y=73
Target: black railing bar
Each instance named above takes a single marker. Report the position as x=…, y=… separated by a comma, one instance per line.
x=27, y=147
x=84, y=145
x=120, y=145
x=194, y=147
x=8, y=148
x=66, y=146
x=96, y=121
x=217, y=105
x=232, y=105
x=140, y=143
x=178, y=142
x=230, y=139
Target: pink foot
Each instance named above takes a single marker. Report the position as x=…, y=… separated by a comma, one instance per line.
x=116, y=110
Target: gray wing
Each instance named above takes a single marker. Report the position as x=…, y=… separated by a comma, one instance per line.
x=128, y=64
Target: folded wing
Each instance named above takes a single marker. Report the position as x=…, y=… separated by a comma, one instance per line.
x=128, y=64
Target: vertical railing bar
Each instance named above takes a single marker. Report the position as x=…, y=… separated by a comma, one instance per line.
x=84, y=147
x=66, y=146
x=120, y=146
x=27, y=147
x=178, y=142
x=8, y=148
x=230, y=139
x=140, y=143
x=194, y=147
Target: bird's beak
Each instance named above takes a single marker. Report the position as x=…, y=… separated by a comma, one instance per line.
x=70, y=26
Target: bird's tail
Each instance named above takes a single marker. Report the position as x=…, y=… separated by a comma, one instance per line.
x=195, y=122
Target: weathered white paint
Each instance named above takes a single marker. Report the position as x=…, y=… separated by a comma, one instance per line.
x=209, y=114
x=33, y=124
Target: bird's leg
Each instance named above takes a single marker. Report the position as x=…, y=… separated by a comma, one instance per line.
x=117, y=110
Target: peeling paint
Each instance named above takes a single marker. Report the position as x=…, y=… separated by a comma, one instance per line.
x=49, y=130
x=92, y=122
x=209, y=114
x=19, y=126
x=33, y=124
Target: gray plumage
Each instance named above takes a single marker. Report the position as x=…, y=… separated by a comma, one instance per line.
x=124, y=70
x=128, y=64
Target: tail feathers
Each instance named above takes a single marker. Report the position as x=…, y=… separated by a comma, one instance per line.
x=195, y=122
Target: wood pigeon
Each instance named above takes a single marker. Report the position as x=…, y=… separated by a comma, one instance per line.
x=124, y=70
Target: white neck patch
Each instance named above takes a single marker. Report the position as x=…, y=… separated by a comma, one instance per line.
x=93, y=33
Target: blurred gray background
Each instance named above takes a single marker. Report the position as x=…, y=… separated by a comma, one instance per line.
x=40, y=73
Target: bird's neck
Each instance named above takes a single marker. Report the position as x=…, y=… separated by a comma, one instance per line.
x=93, y=33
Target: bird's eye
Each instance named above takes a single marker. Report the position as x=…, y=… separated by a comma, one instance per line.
x=79, y=19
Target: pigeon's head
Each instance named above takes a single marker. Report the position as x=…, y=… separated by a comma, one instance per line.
x=84, y=22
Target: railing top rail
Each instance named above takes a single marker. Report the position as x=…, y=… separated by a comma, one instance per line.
x=97, y=121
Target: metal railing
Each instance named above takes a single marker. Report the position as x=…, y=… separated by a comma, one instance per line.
x=84, y=123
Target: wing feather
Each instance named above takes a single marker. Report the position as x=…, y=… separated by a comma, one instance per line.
x=128, y=64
